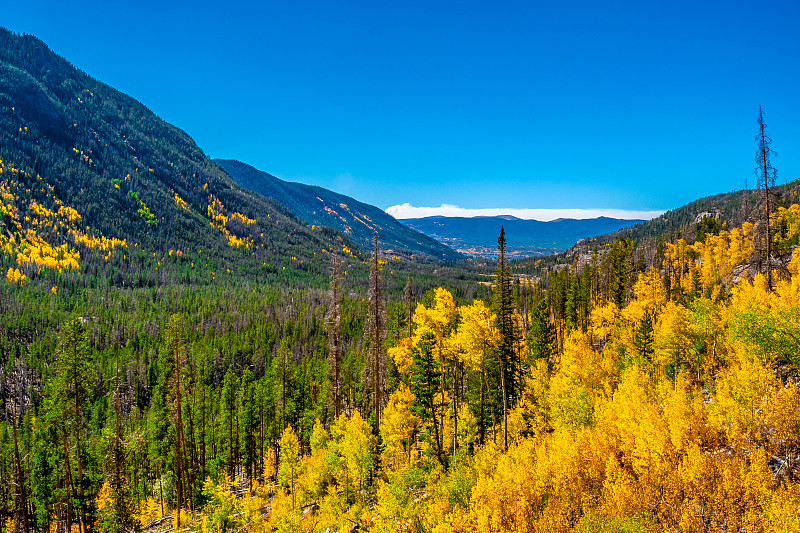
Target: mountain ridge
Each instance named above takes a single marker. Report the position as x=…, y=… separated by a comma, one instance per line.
x=319, y=206
x=70, y=141
x=477, y=236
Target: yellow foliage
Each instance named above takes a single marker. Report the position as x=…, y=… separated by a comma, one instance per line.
x=16, y=277
x=534, y=402
x=353, y=441
x=468, y=427
x=475, y=334
x=634, y=416
x=242, y=218
x=289, y=467
x=437, y=317
x=68, y=214
x=401, y=355
x=398, y=424
x=104, y=496
x=744, y=396
x=649, y=291
x=602, y=319
x=149, y=511
x=101, y=243
x=673, y=335
x=180, y=202
x=219, y=220
x=38, y=226
x=786, y=224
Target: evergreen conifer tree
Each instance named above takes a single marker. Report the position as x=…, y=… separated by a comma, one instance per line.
x=375, y=364
x=507, y=328
x=72, y=393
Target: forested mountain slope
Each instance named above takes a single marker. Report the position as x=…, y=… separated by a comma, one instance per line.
x=83, y=162
x=357, y=220
x=732, y=209
x=690, y=222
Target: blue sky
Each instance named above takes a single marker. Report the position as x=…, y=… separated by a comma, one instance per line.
x=481, y=105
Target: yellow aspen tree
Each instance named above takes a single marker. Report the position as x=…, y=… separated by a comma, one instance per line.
x=398, y=425
x=474, y=339
x=289, y=467
x=353, y=442
x=673, y=341
x=583, y=376
x=438, y=321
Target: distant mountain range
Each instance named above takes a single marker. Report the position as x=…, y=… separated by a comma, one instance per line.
x=322, y=207
x=477, y=236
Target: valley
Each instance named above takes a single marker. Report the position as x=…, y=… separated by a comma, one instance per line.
x=192, y=344
x=477, y=237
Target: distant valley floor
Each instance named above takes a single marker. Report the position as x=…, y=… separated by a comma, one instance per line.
x=477, y=236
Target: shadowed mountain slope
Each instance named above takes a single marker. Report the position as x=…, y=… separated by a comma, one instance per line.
x=357, y=220
x=70, y=141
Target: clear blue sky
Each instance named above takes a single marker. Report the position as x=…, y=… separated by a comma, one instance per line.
x=625, y=105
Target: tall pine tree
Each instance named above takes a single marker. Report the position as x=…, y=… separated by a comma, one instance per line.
x=507, y=328
x=375, y=365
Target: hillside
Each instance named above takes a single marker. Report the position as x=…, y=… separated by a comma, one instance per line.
x=708, y=215
x=322, y=207
x=731, y=208
x=95, y=182
x=477, y=236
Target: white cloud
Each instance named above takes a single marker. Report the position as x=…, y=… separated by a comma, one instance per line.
x=407, y=210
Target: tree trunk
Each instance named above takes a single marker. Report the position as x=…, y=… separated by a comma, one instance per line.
x=22, y=501
x=80, y=468
x=505, y=404
x=69, y=486
x=491, y=404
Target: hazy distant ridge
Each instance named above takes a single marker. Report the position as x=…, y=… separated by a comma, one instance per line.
x=478, y=235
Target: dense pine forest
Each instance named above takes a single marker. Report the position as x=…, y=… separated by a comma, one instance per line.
x=179, y=353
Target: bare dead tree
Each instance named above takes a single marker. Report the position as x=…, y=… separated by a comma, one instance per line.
x=21, y=504
x=408, y=301
x=765, y=174
x=333, y=325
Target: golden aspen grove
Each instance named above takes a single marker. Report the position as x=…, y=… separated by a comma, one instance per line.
x=181, y=353
x=694, y=430
x=677, y=411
